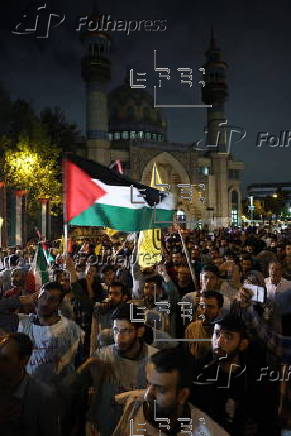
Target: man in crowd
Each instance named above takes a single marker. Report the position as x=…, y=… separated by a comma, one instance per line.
x=27, y=407
x=210, y=281
x=56, y=338
x=18, y=281
x=164, y=408
x=229, y=387
x=275, y=283
x=210, y=308
x=116, y=368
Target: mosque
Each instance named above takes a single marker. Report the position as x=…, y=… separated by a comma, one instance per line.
x=124, y=125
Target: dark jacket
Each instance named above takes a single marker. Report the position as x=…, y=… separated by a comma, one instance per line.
x=238, y=400
x=35, y=410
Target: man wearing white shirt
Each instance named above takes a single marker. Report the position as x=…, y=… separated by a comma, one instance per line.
x=163, y=408
x=275, y=283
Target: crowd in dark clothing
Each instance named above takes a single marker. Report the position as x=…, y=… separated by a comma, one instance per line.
x=198, y=343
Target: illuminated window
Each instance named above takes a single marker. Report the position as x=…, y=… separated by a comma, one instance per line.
x=140, y=134
x=125, y=134
x=110, y=136
x=205, y=171
x=132, y=134
x=234, y=217
x=148, y=135
x=116, y=135
x=160, y=138
x=154, y=136
x=181, y=216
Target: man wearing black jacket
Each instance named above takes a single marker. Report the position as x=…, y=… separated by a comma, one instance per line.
x=27, y=407
x=228, y=386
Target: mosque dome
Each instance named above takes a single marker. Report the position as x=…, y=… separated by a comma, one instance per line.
x=132, y=115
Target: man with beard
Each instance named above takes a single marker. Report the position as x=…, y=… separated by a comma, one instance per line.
x=27, y=407
x=229, y=387
x=210, y=307
x=210, y=281
x=184, y=281
x=103, y=311
x=247, y=267
x=166, y=292
x=177, y=260
x=116, y=368
x=163, y=409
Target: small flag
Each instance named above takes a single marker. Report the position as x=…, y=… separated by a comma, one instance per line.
x=40, y=267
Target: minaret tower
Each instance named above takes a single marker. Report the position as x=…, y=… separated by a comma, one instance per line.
x=215, y=93
x=96, y=74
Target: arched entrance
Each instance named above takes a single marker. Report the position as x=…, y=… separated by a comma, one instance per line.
x=172, y=173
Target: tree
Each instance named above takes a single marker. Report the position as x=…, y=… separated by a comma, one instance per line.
x=34, y=167
x=59, y=130
x=31, y=147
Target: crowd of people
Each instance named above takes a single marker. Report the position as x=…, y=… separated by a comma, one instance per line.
x=197, y=344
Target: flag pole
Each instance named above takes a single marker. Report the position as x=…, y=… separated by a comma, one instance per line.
x=193, y=275
x=65, y=224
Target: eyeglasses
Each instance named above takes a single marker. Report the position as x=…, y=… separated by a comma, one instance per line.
x=117, y=331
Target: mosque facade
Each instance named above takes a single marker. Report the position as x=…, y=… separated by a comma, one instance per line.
x=124, y=125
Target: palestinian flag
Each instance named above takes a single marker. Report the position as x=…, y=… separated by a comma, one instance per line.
x=48, y=256
x=40, y=267
x=98, y=196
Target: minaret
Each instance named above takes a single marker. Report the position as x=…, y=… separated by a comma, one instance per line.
x=215, y=93
x=96, y=74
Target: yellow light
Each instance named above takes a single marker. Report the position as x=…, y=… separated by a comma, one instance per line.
x=24, y=163
x=274, y=195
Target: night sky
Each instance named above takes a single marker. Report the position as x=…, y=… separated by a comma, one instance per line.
x=254, y=37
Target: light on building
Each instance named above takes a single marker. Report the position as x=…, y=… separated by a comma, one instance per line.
x=274, y=195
